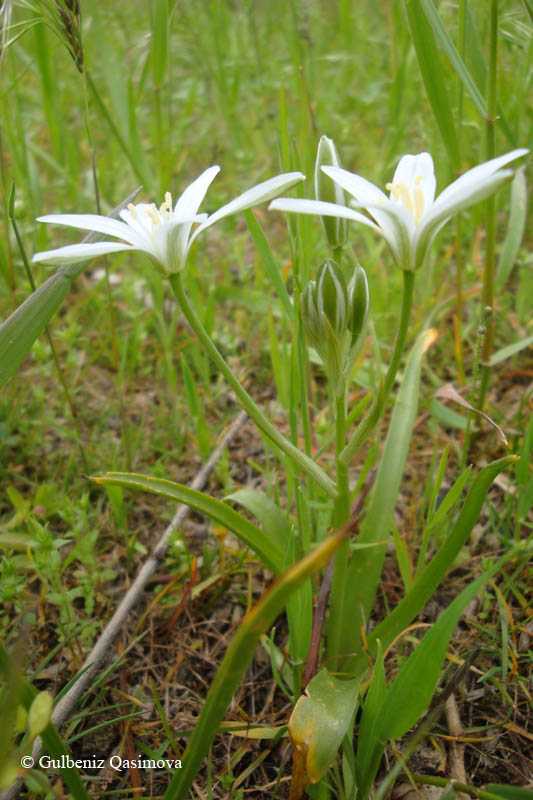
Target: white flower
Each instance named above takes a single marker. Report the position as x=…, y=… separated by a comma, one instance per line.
x=163, y=233
x=410, y=217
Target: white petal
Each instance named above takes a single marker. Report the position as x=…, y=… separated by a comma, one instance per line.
x=321, y=208
x=479, y=173
x=94, y=222
x=417, y=172
x=189, y=202
x=366, y=193
x=73, y=253
x=186, y=209
x=252, y=197
x=441, y=212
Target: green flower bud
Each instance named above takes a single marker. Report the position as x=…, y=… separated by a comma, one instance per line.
x=40, y=713
x=329, y=192
x=358, y=301
x=312, y=320
x=332, y=297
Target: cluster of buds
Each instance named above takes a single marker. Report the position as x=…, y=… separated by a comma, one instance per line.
x=334, y=315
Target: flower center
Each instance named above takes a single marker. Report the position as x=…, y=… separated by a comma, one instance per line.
x=159, y=216
x=410, y=197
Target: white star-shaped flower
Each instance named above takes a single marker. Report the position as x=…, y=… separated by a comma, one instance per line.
x=164, y=234
x=410, y=217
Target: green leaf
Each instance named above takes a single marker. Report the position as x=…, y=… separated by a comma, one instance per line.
x=238, y=657
x=410, y=693
x=515, y=228
x=425, y=585
x=268, y=262
x=446, y=416
x=258, y=541
x=159, y=42
x=433, y=77
x=19, y=331
x=320, y=720
x=274, y=521
x=365, y=567
x=510, y=350
x=510, y=792
x=369, y=749
x=454, y=57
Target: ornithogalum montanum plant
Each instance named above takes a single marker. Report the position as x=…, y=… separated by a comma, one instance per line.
x=410, y=217
x=330, y=314
x=164, y=234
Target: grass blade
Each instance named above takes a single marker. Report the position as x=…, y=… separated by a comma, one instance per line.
x=454, y=57
x=432, y=75
x=259, y=541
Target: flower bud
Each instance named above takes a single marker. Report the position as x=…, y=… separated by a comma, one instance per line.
x=358, y=301
x=40, y=713
x=329, y=192
x=332, y=297
x=312, y=320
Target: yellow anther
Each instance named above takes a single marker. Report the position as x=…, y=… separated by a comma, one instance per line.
x=401, y=192
x=132, y=210
x=418, y=195
x=418, y=180
x=153, y=213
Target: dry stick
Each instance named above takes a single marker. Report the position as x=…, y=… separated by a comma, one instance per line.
x=68, y=702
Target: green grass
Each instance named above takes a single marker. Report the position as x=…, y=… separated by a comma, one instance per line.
x=172, y=88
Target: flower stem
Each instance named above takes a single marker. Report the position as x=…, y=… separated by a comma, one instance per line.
x=490, y=225
x=373, y=415
x=265, y=426
x=407, y=303
x=341, y=514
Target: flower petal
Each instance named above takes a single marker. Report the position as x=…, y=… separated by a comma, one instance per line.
x=186, y=209
x=73, y=253
x=321, y=208
x=481, y=172
x=370, y=197
x=191, y=199
x=441, y=212
x=417, y=172
x=252, y=197
x=94, y=222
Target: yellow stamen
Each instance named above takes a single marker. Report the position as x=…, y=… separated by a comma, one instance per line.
x=132, y=210
x=401, y=192
x=419, y=203
x=153, y=213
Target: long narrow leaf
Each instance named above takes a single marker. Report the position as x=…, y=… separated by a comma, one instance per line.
x=20, y=330
x=413, y=688
x=239, y=655
x=250, y=534
x=432, y=75
x=454, y=57
x=424, y=587
x=365, y=568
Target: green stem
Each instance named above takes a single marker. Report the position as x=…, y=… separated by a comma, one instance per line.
x=480, y=339
x=265, y=426
x=407, y=303
x=373, y=415
x=490, y=258
x=341, y=514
